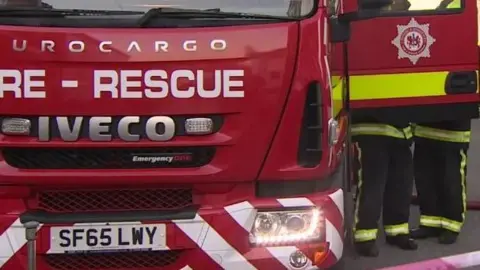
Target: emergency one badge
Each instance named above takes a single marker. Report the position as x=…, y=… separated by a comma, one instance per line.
x=413, y=41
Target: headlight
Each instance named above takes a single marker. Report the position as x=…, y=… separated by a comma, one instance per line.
x=279, y=227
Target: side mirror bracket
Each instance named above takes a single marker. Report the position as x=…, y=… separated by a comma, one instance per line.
x=339, y=30
x=367, y=9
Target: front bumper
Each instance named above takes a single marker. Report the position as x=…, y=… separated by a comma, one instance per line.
x=217, y=238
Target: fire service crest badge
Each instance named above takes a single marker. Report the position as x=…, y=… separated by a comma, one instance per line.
x=413, y=41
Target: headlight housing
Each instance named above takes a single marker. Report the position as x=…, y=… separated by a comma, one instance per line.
x=288, y=226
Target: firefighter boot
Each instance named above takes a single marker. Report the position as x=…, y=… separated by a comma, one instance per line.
x=402, y=241
x=367, y=248
x=424, y=232
x=447, y=237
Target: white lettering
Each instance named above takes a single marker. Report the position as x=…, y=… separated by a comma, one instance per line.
x=47, y=45
x=176, y=76
x=135, y=45
x=29, y=83
x=19, y=49
x=228, y=83
x=218, y=45
x=151, y=82
x=210, y=93
x=157, y=84
x=15, y=78
x=190, y=45
x=161, y=46
x=103, y=46
x=152, y=159
x=127, y=81
x=76, y=46
x=100, y=86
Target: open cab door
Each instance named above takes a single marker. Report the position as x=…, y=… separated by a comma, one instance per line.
x=417, y=59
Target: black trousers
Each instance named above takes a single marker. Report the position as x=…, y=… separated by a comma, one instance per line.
x=440, y=170
x=385, y=178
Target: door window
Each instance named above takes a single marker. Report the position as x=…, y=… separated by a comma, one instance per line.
x=423, y=6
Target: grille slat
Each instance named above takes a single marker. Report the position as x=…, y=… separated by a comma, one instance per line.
x=113, y=260
x=107, y=158
x=67, y=201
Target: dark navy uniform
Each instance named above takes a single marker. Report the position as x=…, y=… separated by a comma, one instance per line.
x=385, y=178
x=440, y=161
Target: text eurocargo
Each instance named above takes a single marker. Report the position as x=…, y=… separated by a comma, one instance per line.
x=79, y=46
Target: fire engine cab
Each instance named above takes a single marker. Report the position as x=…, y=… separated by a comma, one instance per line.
x=206, y=134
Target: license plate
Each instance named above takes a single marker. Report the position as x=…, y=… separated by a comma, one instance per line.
x=107, y=237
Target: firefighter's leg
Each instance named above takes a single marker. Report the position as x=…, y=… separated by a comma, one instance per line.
x=428, y=170
x=397, y=197
x=454, y=193
x=372, y=171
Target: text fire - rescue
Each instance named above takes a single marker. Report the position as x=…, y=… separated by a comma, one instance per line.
x=107, y=46
x=133, y=84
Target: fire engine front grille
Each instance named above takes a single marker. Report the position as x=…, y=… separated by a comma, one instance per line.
x=67, y=201
x=107, y=158
x=113, y=260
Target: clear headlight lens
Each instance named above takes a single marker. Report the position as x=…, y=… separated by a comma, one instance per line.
x=278, y=227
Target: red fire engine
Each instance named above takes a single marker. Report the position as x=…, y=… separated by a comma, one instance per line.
x=202, y=135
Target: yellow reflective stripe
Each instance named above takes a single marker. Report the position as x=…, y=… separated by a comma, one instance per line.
x=463, y=168
x=442, y=135
x=361, y=235
x=402, y=85
x=365, y=235
x=408, y=132
x=337, y=94
x=382, y=130
x=451, y=225
x=393, y=230
x=360, y=182
x=455, y=4
x=431, y=221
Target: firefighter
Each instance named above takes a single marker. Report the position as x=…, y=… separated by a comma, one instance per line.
x=384, y=177
x=440, y=162
x=440, y=168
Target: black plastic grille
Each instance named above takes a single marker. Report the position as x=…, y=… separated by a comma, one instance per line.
x=107, y=158
x=310, y=144
x=68, y=201
x=112, y=261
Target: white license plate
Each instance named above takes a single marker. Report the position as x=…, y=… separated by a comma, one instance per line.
x=83, y=238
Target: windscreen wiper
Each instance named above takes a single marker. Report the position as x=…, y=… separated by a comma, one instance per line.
x=50, y=12
x=203, y=13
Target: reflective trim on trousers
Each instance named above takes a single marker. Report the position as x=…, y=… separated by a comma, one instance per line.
x=463, y=173
x=382, y=130
x=431, y=221
x=441, y=135
x=451, y=225
x=441, y=222
x=359, y=184
x=365, y=235
x=393, y=230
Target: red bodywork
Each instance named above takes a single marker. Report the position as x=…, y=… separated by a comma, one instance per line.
x=258, y=141
x=371, y=51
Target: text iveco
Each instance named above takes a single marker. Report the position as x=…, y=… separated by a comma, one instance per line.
x=100, y=128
